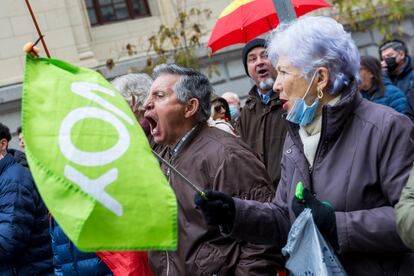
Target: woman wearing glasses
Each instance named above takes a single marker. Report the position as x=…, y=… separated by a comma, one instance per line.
x=220, y=115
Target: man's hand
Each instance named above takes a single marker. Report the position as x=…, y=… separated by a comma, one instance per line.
x=217, y=209
x=323, y=215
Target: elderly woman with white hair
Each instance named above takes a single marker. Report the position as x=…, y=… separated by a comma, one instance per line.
x=346, y=151
x=135, y=89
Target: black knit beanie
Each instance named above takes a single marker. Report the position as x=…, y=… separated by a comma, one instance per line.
x=257, y=42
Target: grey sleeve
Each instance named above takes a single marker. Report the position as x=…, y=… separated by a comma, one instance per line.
x=264, y=223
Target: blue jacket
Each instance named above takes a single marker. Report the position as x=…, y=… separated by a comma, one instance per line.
x=19, y=156
x=25, y=247
x=405, y=81
x=393, y=96
x=68, y=260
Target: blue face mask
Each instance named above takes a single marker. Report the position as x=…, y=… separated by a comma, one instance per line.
x=234, y=112
x=301, y=113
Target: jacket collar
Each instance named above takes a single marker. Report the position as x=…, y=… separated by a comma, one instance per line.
x=406, y=69
x=174, y=151
x=19, y=157
x=373, y=93
x=191, y=136
x=254, y=99
x=333, y=117
x=6, y=162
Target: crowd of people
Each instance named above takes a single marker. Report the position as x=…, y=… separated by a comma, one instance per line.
x=318, y=114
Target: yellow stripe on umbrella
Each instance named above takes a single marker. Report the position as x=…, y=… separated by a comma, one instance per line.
x=244, y=20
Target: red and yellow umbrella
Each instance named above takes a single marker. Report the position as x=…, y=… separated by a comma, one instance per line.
x=243, y=20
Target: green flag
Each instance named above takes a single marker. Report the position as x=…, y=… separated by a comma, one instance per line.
x=92, y=163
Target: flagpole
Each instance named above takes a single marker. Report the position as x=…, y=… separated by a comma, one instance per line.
x=188, y=182
x=284, y=10
x=37, y=28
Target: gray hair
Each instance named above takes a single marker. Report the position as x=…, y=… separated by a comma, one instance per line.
x=192, y=84
x=135, y=86
x=317, y=41
x=395, y=44
x=229, y=94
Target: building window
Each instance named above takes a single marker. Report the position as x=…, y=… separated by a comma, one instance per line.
x=106, y=11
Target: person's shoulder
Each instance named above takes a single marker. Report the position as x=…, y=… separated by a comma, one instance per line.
x=393, y=91
x=252, y=97
x=253, y=91
x=408, y=77
x=380, y=115
x=12, y=178
x=217, y=140
x=225, y=126
x=216, y=136
x=411, y=78
x=19, y=156
x=210, y=145
x=221, y=147
x=11, y=167
x=410, y=72
x=16, y=173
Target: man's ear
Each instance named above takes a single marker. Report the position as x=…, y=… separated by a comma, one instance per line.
x=3, y=145
x=323, y=78
x=402, y=55
x=191, y=108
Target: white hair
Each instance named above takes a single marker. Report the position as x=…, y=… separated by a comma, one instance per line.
x=135, y=86
x=316, y=41
x=230, y=95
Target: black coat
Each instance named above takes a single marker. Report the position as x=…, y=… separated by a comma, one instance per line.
x=263, y=129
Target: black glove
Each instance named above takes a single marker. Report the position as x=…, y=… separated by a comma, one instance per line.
x=217, y=209
x=323, y=215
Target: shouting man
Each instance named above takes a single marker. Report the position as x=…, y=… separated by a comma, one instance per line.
x=261, y=122
x=177, y=109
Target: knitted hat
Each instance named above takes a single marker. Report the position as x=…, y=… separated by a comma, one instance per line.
x=257, y=42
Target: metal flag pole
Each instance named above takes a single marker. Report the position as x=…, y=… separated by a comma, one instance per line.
x=188, y=182
x=37, y=28
x=284, y=10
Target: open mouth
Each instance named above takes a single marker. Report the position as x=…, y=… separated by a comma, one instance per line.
x=153, y=125
x=284, y=101
x=263, y=73
x=285, y=105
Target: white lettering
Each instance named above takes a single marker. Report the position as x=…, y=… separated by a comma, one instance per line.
x=85, y=89
x=96, y=188
x=92, y=159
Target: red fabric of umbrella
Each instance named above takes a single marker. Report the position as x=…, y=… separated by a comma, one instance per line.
x=244, y=20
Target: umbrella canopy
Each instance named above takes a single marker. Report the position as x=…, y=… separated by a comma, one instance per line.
x=243, y=20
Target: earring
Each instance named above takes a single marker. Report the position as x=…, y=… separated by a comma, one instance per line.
x=320, y=93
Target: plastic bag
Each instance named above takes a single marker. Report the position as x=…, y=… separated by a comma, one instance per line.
x=307, y=251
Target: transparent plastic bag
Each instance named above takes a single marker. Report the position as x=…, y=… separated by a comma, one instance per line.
x=307, y=252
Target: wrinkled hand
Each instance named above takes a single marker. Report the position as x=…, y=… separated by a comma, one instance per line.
x=323, y=215
x=218, y=209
